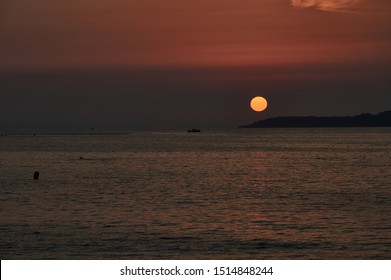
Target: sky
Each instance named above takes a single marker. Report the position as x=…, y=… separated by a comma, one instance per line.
x=177, y=64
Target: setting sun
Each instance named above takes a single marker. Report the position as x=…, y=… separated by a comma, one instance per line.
x=258, y=104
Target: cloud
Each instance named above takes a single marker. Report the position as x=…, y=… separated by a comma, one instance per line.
x=327, y=5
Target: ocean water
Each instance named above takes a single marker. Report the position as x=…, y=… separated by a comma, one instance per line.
x=320, y=193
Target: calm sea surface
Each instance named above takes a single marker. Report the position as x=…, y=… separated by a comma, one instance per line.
x=240, y=194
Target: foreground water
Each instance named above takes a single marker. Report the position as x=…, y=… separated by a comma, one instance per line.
x=242, y=194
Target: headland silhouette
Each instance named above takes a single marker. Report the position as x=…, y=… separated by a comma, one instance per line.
x=382, y=119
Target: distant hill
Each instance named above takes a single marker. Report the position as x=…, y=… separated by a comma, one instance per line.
x=382, y=119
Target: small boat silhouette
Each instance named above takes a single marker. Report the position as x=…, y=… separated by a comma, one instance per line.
x=194, y=130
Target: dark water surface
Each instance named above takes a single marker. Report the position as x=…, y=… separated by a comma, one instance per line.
x=241, y=194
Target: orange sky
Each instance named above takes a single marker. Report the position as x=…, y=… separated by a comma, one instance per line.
x=99, y=33
x=181, y=63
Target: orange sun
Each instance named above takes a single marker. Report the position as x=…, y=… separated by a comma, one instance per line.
x=258, y=104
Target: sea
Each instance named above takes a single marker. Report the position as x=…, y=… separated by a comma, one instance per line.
x=269, y=193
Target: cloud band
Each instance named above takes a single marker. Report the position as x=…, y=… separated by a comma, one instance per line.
x=327, y=5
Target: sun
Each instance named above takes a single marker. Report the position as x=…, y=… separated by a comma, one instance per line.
x=258, y=104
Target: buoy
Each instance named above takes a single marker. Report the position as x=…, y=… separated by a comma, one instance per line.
x=36, y=175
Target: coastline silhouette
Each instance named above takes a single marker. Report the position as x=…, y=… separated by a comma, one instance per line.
x=382, y=119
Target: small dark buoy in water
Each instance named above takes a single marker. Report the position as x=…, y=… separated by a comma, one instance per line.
x=36, y=175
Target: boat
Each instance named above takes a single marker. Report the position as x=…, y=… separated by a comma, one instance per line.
x=194, y=130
